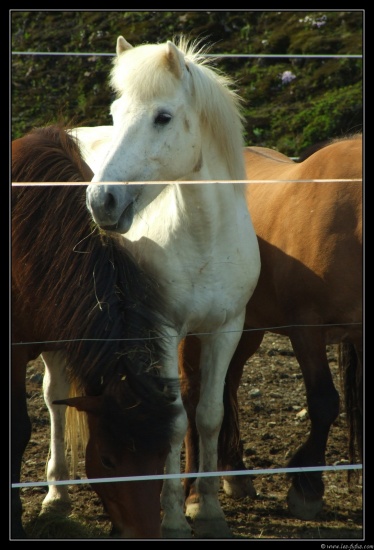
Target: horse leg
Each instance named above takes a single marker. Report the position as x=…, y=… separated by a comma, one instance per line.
x=305, y=497
x=174, y=523
x=216, y=353
x=20, y=436
x=56, y=386
x=351, y=373
x=230, y=448
x=189, y=371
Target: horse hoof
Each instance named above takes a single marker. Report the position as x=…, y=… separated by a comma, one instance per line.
x=60, y=507
x=238, y=487
x=211, y=529
x=301, y=508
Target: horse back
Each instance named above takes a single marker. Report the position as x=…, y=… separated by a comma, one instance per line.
x=310, y=236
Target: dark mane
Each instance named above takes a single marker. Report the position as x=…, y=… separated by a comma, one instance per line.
x=85, y=295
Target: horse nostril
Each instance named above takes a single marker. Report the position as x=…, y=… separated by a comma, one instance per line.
x=110, y=202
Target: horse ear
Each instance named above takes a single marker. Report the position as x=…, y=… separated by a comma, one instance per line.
x=122, y=45
x=86, y=403
x=175, y=59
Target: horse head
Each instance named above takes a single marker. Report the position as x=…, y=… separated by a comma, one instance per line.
x=127, y=438
x=174, y=119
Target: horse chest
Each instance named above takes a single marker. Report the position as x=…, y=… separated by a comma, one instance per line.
x=203, y=289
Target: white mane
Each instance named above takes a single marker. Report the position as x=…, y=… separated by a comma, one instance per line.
x=145, y=69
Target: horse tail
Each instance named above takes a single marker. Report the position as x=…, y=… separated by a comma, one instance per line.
x=350, y=367
x=76, y=433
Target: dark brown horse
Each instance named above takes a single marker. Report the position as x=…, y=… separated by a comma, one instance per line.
x=310, y=289
x=82, y=301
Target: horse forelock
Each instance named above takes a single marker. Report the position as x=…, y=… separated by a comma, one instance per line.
x=138, y=412
x=144, y=72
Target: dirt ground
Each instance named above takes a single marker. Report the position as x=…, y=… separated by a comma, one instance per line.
x=273, y=421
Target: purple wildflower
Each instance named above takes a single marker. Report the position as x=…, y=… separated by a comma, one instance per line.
x=287, y=77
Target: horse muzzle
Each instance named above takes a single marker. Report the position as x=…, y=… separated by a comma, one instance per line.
x=109, y=208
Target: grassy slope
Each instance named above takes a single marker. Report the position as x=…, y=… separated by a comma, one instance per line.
x=324, y=100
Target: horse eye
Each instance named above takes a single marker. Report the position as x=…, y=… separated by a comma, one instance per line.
x=106, y=462
x=162, y=119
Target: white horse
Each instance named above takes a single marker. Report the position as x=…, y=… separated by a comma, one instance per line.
x=177, y=119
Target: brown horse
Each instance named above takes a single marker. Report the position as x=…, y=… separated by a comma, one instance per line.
x=82, y=301
x=310, y=289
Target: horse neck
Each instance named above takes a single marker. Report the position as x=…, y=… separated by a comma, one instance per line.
x=215, y=166
x=197, y=214
x=222, y=158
